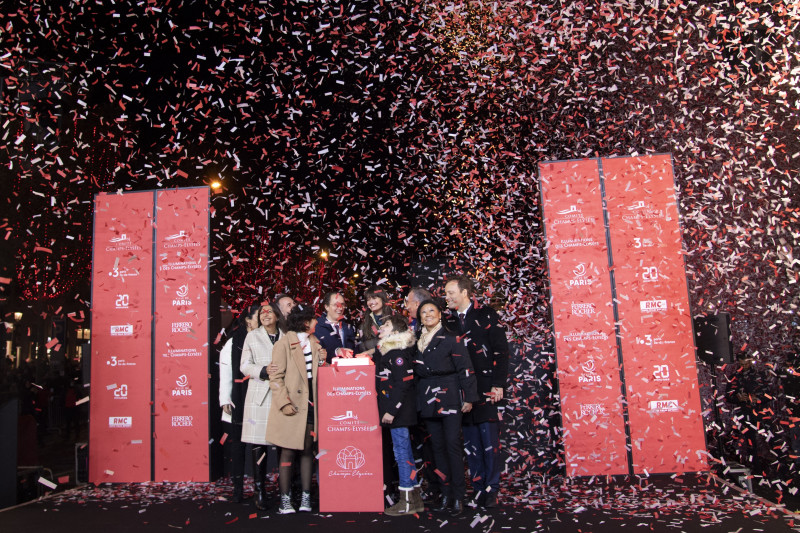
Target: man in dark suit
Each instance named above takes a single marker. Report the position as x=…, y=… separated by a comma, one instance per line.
x=336, y=336
x=488, y=349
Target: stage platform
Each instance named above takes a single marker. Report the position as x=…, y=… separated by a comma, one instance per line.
x=587, y=505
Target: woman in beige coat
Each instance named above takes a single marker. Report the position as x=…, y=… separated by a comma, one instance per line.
x=293, y=417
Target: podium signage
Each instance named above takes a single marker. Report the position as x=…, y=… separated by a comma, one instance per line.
x=621, y=311
x=652, y=300
x=122, y=300
x=588, y=365
x=149, y=395
x=181, y=335
x=350, y=449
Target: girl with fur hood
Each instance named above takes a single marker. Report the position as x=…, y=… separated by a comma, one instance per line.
x=394, y=376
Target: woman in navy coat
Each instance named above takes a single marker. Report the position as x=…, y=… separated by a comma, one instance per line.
x=446, y=389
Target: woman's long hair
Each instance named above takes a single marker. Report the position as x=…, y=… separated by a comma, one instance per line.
x=367, y=325
x=238, y=329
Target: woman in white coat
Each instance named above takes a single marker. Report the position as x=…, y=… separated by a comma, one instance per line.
x=255, y=363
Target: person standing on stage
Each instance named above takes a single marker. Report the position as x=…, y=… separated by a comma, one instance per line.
x=415, y=297
x=232, y=391
x=419, y=436
x=446, y=391
x=256, y=365
x=337, y=337
x=285, y=304
x=488, y=350
x=397, y=405
x=293, y=415
x=376, y=313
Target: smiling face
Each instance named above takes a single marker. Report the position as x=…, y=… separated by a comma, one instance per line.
x=429, y=315
x=375, y=304
x=457, y=299
x=385, y=330
x=267, y=317
x=335, y=309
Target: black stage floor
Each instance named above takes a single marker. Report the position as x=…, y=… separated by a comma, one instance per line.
x=586, y=505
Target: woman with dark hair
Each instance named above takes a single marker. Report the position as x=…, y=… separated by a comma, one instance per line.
x=293, y=418
x=446, y=389
x=232, y=391
x=397, y=405
x=255, y=364
x=376, y=313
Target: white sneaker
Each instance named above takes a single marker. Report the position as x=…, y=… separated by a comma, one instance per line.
x=305, y=502
x=286, y=505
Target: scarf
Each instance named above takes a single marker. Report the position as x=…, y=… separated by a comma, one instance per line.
x=426, y=336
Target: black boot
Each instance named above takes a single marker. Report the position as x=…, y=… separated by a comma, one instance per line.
x=260, y=476
x=458, y=507
x=238, y=489
x=445, y=504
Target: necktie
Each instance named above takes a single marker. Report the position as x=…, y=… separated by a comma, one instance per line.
x=462, y=317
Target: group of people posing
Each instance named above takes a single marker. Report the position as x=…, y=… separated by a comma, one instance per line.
x=440, y=374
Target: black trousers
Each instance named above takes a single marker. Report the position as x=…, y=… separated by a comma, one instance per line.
x=423, y=455
x=236, y=449
x=449, y=453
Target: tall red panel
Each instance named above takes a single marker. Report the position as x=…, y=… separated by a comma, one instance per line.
x=119, y=430
x=583, y=317
x=665, y=420
x=181, y=335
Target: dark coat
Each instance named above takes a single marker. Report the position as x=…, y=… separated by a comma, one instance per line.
x=394, y=378
x=239, y=389
x=368, y=330
x=488, y=349
x=446, y=378
x=330, y=341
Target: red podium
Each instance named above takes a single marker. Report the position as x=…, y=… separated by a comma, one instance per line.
x=350, y=450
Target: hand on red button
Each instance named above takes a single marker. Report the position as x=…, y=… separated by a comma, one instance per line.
x=345, y=353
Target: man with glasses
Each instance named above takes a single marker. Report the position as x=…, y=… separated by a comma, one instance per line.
x=337, y=337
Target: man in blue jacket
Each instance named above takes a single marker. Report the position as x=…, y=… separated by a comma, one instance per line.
x=488, y=349
x=336, y=336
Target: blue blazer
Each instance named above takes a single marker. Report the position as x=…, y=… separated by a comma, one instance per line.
x=330, y=341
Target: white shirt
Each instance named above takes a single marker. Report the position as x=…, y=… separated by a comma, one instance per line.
x=225, y=374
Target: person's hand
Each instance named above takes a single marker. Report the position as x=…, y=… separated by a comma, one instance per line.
x=289, y=410
x=466, y=408
x=363, y=355
x=743, y=397
x=228, y=408
x=387, y=419
x=345, y=353
x=272, y=368
x=495, y=395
